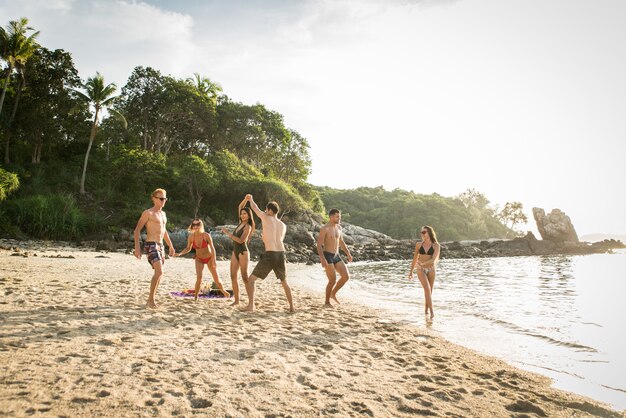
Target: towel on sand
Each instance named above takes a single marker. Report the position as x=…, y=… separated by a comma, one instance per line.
x=189, y=293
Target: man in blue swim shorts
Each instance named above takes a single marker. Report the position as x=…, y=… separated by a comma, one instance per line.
x=329, y=242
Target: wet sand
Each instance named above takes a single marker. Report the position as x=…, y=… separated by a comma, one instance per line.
x=77, y=340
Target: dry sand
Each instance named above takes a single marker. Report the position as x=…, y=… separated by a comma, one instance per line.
x=76, y=340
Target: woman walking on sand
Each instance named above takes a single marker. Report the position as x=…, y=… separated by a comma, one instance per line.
x=202, y=242
x=241, y=255
x=426, y=257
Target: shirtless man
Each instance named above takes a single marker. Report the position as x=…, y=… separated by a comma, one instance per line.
x=274, y=257
x=154, y=219
x=328, y=243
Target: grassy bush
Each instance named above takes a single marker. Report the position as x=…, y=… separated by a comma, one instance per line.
x=53, y=216
x=9, y=182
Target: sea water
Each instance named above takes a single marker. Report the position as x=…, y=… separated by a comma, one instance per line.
x=561, y=316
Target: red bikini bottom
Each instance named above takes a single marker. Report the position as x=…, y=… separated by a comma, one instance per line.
x=204, y=260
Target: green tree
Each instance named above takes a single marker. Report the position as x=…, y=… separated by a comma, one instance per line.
x=473, y=198
x=400, y=213
x=205, y=88
x=50, y=110
x=101, y=97
x=9, y=182
x=199, y=177
x=292, y=163
x=167, y=115
x=512, y=213
x=16, y=47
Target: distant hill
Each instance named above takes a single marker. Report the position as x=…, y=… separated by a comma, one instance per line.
x=400, y=213
x=602, y=237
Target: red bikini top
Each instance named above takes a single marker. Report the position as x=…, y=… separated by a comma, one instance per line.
x=204, y=244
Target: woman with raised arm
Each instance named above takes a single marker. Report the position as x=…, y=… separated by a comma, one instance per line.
x=241, y=255
x=202, y=242
x=426, y=257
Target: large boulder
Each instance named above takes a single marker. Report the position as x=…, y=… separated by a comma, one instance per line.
x=555, y=226
x=364, y=236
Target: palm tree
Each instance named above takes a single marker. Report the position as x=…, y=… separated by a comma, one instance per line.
x=16, y=48
x=101, y=97
x=207, y=89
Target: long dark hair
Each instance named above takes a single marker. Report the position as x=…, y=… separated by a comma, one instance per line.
x=250, y=219
x=431, y=233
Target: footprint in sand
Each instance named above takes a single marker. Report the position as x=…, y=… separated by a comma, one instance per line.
x=83, y=400
x=525, y=407
x=403, y=407
x=305, y=382
x=375, y=354
x=361, y=408
x=447, y=396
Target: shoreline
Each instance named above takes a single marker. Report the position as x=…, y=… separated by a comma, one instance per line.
x=77, y=340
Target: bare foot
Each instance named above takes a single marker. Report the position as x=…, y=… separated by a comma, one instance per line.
x=292, y=310
x=248, y=309
x=328, y=305
x=226, y=294
x=235, y=303
x=334, y=297
x=152, y=305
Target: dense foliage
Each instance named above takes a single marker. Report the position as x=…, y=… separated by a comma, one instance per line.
x=82, y=157
x=401, y=214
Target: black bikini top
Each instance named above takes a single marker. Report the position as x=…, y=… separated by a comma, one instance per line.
x=431, y=250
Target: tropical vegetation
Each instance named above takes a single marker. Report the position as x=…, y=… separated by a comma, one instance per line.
x=82, y=157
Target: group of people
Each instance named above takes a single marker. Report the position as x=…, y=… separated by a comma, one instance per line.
x=329, y=242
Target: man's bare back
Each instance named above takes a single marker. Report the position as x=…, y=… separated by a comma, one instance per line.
x=273, y=233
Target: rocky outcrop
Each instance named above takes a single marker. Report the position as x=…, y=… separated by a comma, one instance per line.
x=555, y=227
x=369, y=245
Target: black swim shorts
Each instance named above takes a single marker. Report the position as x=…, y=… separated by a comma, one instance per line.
x=332, y=258
x=271, y=260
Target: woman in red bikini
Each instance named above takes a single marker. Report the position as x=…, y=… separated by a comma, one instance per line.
x=201, y=241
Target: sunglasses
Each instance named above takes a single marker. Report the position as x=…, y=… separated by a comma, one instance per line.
x=195, y=224
x=162, y=199
x=423, y=232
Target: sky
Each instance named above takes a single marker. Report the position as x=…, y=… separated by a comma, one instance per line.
x=521, y=100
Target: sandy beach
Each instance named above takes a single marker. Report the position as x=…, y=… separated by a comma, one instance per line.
x=77, y=340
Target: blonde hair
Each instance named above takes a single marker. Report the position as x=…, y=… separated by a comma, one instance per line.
x=190, y=228
x=157, y=191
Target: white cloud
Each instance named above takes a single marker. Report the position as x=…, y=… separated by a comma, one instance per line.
x=113, y=37
x=523, y=101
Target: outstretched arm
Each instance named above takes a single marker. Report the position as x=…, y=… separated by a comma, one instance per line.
x=242, y=205
x=244, y=237
x=167, y=239
x=186, y=250
x=255, y=207
x=143, y=219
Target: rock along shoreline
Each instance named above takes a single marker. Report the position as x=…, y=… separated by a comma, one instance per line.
x=364, y=244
